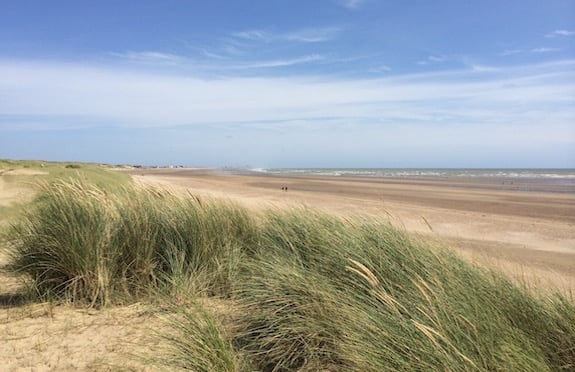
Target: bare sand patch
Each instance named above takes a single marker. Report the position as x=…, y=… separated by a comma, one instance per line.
x=24, y=172
x=51, y=337
x=44, y=337
x=14, y=192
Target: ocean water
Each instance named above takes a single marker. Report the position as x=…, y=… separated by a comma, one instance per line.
x=542, y=174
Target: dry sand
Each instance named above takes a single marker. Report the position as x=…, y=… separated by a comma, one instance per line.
x=530, y=234
x=10, y=193
x=43, y=337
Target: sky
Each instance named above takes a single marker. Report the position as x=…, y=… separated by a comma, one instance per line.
x=290, y=83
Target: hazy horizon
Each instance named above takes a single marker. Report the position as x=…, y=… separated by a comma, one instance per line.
x=256, y=168
x=330, y=83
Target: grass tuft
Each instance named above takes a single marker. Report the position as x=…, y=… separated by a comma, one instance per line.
x=84, y=243
x=196, y=340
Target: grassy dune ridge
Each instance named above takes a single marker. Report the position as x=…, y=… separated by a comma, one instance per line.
x=310, y=291
x=19, y=179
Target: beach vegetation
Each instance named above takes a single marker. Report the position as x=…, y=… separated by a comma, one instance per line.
x=197, y=339
x=309, y=291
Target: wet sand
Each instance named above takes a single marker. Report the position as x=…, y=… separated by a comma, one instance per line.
x=526, y=227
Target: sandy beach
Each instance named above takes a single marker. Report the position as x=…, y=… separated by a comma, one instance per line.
x=523, y=227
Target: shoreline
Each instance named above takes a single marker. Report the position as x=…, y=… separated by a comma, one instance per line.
x=565, y=185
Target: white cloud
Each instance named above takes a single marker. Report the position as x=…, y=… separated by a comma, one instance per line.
x=544, y=50
x=313, y=35
x=534, y=95
x=233, y=50
x=560, y=33
x=510, y=52
x=150, y=57
x=207, y=53
x=307, y=35
x=242, y=44
x=220, y=62
x=432, y=59
x=278, y=62
x=382, y=68
x=482, y=68
x=255, y=35
x=436, y=58
x=517, y=110
x=352, y=4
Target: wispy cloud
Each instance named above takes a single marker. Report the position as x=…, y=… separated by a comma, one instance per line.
x=432, y=59
x=352, y=4
x=380, y=69
x=437, y=58
x=544, y=50
x=255, y=35
x=512, y=109
x=483, y=68
x=207, y=53
x=510, y=52
x=150, y=57
x=313, y=35
x=560, y=33
x=219, y=63
x=521, y=95
x=278, y=62
x=243, y=46
x=232, y=49
x=307, y=35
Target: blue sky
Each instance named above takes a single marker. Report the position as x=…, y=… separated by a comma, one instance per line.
x=316, y=83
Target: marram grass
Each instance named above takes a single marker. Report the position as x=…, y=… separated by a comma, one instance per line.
x=312, y=291
x=196, y=340
x=358, y=295
x=88, y=244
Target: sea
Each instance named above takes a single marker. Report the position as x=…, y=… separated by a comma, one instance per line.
x=551, y=174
